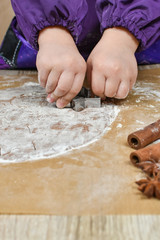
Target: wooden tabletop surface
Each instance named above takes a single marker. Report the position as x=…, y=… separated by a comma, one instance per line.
x=96, y=183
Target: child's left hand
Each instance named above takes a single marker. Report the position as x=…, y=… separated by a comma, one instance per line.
x=112, y=66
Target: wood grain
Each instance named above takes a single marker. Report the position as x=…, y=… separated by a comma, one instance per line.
x=80, y=228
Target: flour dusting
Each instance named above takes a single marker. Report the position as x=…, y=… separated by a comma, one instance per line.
x=32, y=129
x=146, y=92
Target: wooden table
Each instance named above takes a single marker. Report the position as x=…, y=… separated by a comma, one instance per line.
x=96, y=183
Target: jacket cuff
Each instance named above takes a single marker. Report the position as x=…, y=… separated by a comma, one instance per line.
x=71, y=26
x=130, y=25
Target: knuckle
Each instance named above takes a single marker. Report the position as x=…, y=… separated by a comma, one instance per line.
x=115, y=68
x=76, y=65
x=66, y=99
x=42, y=65
x=99, y=66
x=74, y=92
x=49, y=88
x=62, y=89
x=69, y=62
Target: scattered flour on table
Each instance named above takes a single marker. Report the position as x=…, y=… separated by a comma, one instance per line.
x=137, y=121
x=32, y=129
x=146, y=92
x=119, y=125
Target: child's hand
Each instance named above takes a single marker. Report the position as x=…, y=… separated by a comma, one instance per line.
x=112, y=66
x=61, y=68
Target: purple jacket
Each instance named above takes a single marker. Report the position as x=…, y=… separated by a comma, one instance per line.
x=87, y=19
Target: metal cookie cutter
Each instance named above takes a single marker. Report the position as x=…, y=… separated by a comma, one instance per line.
x=84, y=100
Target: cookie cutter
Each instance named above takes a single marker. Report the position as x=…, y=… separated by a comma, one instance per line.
x=84, y=100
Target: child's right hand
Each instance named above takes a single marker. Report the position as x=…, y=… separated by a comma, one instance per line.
x=61, y=68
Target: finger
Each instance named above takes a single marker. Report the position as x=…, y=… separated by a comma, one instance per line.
x=132, y=82
x=52, y=81
x=98, y=84
x=123, y=90
x=111, y=87
x=76, y=87
x=51, y=98
x=133, y=77
x=42, y=77
x=64, y=85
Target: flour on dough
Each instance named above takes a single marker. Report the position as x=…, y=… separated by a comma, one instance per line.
x=32, y=129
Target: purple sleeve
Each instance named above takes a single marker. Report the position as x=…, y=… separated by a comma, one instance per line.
x=140, y=17
x=34, y=15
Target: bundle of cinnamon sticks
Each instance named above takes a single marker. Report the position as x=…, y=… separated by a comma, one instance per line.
x=147, y=157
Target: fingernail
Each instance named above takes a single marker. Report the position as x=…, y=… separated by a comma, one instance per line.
x=50, y=99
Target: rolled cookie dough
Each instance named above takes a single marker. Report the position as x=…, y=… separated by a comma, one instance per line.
x=32, y=129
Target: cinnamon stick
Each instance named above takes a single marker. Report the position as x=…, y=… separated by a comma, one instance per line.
x=145, y=136
x=149, y=153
